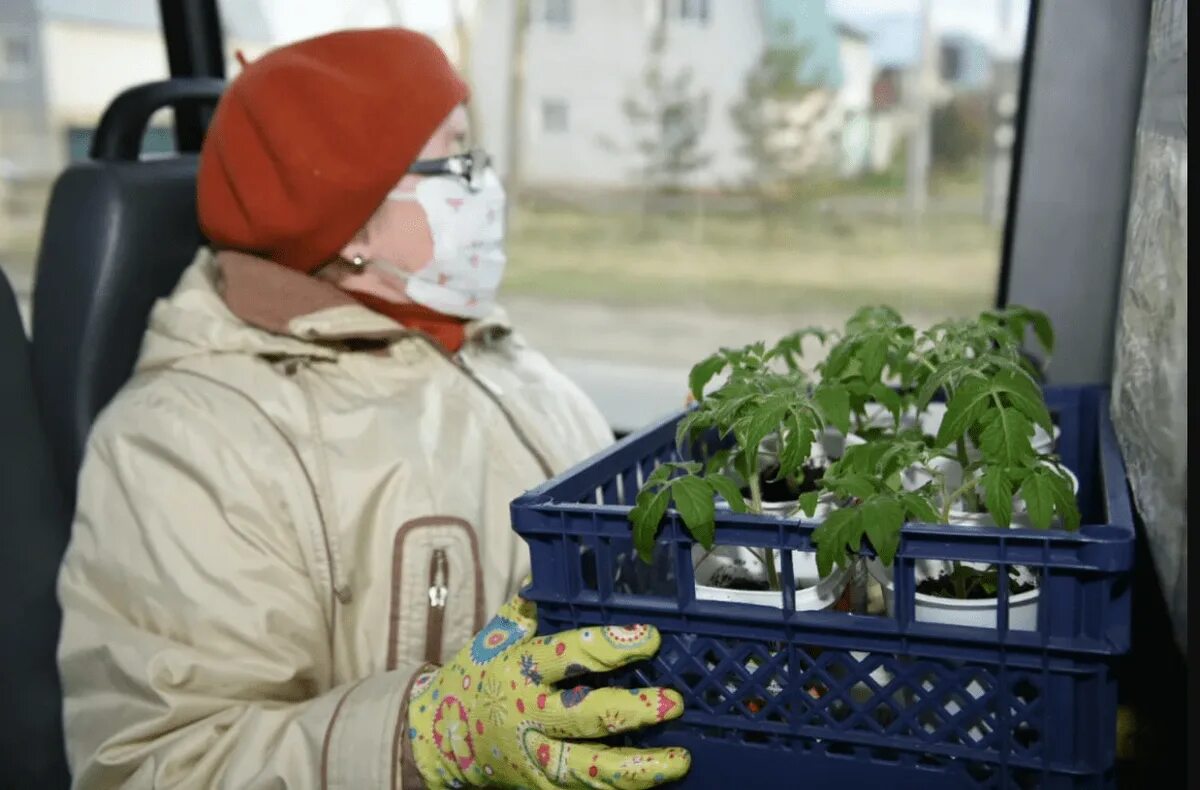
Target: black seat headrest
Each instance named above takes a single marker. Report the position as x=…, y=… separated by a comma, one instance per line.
x=118, y=234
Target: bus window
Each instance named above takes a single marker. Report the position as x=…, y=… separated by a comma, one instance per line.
x=689, y=175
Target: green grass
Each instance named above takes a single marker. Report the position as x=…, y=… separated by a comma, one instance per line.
x=741, y=262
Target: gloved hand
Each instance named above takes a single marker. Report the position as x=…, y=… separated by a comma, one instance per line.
x=492, y=716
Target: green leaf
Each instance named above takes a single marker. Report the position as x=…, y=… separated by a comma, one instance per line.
x=1023, y=393
x=998, y=495
x=834, y=404
x=827, y=549
x=937, y=379
x=963, y=411
x=1007, y=437
x=797, y=445
x=694, y=501
x=730, y=400
x=838, y=359
x=1065, y=502
x=899, y=455
x=1039, y=500
x=717, y=462
x=729, y=491
x=691, y=425
x=808, y=503
x=833, y=535
x=703, y=372
x=761, y=424
x=856, y=485
x=888, y=398
x=919, y=508
x=660, y=474
x=882, y=520
x=646, y=515
x=1042, y=330
x=791, y=347
x=873, y=356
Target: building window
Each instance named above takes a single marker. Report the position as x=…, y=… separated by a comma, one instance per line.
x=555, y=119
x=695, y=11
x=18, y=58
x=951, y=62
x=557, y=13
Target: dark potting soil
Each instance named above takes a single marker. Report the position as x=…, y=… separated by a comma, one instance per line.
x=736, y=577
x=782, y=490
x=943, y=587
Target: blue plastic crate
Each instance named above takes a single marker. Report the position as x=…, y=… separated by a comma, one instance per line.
x=813, y=698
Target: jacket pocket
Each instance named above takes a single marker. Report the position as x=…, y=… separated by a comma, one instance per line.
x=436, y=591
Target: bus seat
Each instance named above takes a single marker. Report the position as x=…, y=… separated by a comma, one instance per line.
x=33, y=530
x=118, y=233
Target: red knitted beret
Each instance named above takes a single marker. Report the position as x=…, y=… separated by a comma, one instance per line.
x=307, y=141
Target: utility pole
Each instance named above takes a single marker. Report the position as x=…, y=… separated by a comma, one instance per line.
x=464, y=39
x=395, y=11
x=516, y=98
x=1002, y=99
x=921, y=85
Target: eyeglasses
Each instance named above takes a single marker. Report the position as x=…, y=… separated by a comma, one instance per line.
x=469, y=166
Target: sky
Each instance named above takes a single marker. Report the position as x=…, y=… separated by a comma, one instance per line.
x=1001, y=24
x=292, y=19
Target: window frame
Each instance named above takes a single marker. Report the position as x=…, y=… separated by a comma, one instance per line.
x=1043, y=175
x=564, y=19
x=692, y=12
x=22, y=70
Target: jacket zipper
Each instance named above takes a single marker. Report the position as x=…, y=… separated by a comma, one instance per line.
x=439, y=591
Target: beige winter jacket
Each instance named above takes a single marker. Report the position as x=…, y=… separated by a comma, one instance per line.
x=292, y=507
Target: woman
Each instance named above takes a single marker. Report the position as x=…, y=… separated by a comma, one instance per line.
x=298, y=507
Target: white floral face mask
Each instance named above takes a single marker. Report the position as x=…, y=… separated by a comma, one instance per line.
x=467, y=224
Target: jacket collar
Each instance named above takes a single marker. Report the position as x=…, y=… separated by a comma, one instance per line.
x=282, y=301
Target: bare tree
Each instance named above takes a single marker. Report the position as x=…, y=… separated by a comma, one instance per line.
x=669, y=119
x=464, y=40
x=395, y=11
x=782, y=105
x=921, y=101
x=773, y=90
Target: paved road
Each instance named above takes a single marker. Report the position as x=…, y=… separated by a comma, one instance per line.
x=634, y=362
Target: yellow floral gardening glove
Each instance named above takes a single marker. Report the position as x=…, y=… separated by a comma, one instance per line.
x=493, y=717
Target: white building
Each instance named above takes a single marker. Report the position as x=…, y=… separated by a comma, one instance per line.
x=585, y=59
x=61, y=63
x=855, y=99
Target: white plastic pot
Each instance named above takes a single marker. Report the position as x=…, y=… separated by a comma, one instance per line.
x=814, y=593
x=977, y=612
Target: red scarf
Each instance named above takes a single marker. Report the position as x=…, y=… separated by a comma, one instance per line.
x=449, y=332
